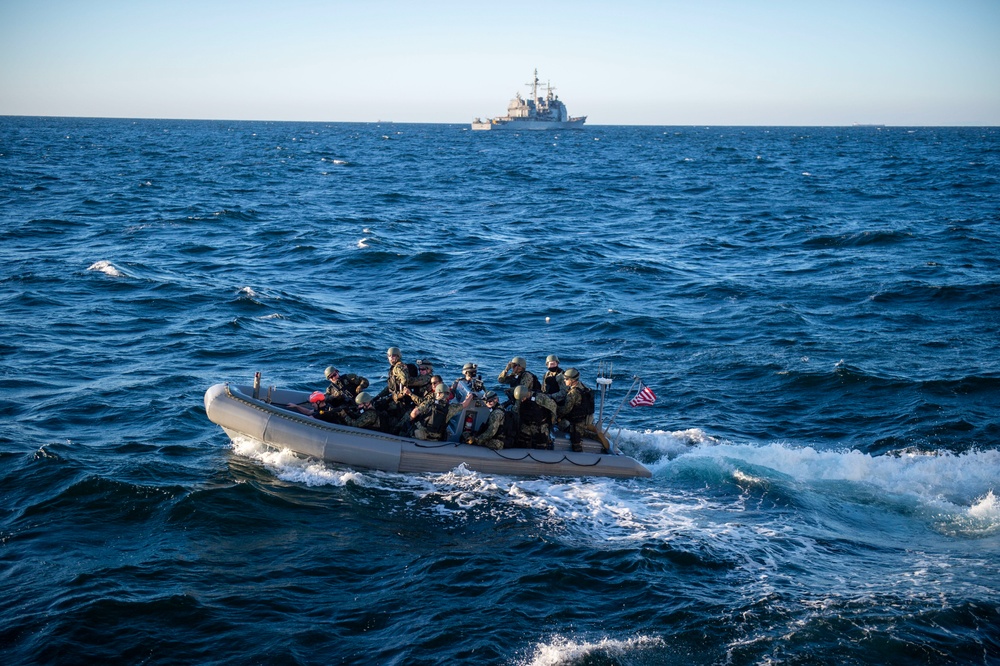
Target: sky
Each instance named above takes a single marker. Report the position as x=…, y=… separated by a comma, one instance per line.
x=624, y=62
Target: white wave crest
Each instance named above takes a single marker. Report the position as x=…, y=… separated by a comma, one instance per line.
x=106, y=267
x=288, y=466
x=561, y=650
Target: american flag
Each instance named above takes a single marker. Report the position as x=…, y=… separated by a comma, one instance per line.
x=644, y=398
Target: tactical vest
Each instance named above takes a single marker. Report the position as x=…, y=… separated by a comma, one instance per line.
x=436, y=420
x=510, y=428
x=551, y=384
x=585, y=407
x=532, y=413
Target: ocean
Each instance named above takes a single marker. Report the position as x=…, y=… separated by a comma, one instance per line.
x=816, y=308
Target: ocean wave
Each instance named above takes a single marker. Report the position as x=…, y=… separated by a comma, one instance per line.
x=106, y=267
x=563, y=651
x=860, y=239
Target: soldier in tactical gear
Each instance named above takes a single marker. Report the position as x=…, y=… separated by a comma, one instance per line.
x=470, y=378
x=430, y=419
x=366, y=416
x=537, y=414
x=492, y=434
x=342, y=388
x=516, y=374
x=395, y=395
x=577, y=413
x=552, y=383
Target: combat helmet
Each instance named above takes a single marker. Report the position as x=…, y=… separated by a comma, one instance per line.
x=330, y=371
x=394, y=351
x=519, y=360
x=363, y=398
x=552, y=358
x=571, y=373
x=521, y=392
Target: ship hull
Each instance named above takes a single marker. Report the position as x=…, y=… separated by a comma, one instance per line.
x=529, y=124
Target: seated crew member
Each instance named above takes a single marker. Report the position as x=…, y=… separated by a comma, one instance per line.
x=537, y=414
x=337, y=395
x=365, y=416
x=351, y=383
x=577, y=413
x=493, y=434
x=317, y=401
x=552, y=382
x=430, y=419
x=516, y=374
x=470, y=377
x=420, y=379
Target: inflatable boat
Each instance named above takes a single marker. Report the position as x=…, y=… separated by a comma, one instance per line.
x=266, y=419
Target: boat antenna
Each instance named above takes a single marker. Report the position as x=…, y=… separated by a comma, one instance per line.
x=604, y=381
x=636, y=381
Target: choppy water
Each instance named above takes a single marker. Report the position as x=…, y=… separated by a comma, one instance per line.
x=816, y=308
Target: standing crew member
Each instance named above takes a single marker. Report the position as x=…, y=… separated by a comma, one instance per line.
x=394, y=393
x=577, y=413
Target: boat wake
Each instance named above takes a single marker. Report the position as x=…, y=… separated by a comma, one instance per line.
x=693, y=473
x=561, y=650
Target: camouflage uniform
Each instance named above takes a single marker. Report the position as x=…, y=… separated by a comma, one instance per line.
x=337, y=394
x=368, y=419
x=353, y=384
x=425, y=410
x=525, y=379
x=491, y=436
x=537, y=420
x=571, y=414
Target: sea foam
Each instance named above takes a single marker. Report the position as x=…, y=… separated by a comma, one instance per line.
x=105, y=267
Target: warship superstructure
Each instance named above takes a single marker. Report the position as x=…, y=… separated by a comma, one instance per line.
x=536, y=113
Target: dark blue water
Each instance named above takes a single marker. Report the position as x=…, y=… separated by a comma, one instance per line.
x=816, y=308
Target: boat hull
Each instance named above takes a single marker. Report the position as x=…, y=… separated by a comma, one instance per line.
x=239, y=414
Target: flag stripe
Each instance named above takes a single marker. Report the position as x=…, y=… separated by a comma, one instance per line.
x=643, y=398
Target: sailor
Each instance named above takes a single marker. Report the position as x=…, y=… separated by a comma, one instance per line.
x=366, y=416
x=516, y=374
x=420, y=379
x=435, y=380
x=537, y=414
x=394, y=395
x=470, y=378
x=577, y=413
x=429, y=420
x=493, y=434
x=353, y=384
x=552, y=383
x=337, y=395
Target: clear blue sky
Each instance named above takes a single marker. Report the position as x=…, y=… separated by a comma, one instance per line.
x=718, y=62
